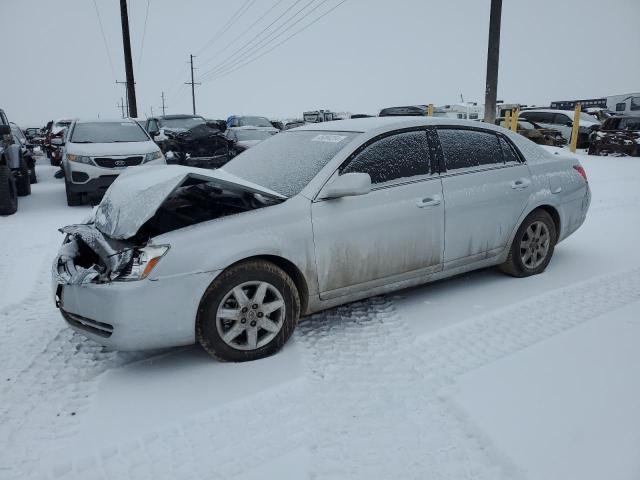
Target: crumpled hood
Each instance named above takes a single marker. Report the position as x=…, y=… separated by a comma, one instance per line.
x=138, y=193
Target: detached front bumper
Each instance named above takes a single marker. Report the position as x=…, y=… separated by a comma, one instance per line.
x=136, y=315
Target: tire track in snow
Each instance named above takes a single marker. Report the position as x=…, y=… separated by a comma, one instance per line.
x=375, y=402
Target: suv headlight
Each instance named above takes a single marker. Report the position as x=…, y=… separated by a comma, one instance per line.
x=143, y=262
x=79, y=158
x=152, y=156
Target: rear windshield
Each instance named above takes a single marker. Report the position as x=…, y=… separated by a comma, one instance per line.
x=288, y=161
x=252, y=122
x=108, y=132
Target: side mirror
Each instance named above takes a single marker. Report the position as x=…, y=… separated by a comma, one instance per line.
x=5, y=130
x=57, y=142
x=569, y=124
x=347, y=185
x=153, y=133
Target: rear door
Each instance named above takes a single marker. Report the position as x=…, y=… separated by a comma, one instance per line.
x=394, y=232
x=486, y=188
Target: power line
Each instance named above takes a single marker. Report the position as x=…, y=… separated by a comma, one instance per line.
x=269, y=39
x=280, y=43
x=208, y=60
x=144, y=33
x=234, y=18
x=104, y=39
x=232, y=56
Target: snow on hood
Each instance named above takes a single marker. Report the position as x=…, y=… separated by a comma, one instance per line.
x=138, y=193
x=113, y=148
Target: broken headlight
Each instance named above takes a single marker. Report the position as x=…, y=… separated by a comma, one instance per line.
x=149, y=157
x=143, y=262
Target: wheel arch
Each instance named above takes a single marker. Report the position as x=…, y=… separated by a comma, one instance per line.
x=555, y=216
x=291, y=269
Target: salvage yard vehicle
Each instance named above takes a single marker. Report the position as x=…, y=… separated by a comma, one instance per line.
x=536, y=133
x=317, y=116
x=189, y=140
x=244, y=132
x=26, y=152
x=97, y=151
x=311, y=218
x=618, y=136
x=53, y=139
x=14, y=171
x=562, y=120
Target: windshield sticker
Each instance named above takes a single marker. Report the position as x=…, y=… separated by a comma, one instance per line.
x=328, y=138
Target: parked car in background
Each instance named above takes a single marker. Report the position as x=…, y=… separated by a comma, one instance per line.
x=189, y=140
x=54, y=138
x=618, y=135
x=244, y=132
x=536, y=133
x=97, y=151
x=277, y=124
x=562, y=120
x=309, y=219
x=293, y=124
x=317, y=116
x=14, y=172
x=600, y=113
x=26, y=151
x=31, y=133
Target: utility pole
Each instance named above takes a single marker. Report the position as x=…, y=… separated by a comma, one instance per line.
x=121, y=107
x=163, y=105
x=128, y=63
x=493, y=56
x=193, y=84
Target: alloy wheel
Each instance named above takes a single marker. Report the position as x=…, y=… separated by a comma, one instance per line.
x=534, y=246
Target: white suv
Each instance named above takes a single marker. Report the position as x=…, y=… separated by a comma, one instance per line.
x=97, y=151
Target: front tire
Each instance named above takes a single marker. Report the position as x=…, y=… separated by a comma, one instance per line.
x=8, y=193
x=23, y=181
x=532, y=247
x=248, y=312
x=73, y=199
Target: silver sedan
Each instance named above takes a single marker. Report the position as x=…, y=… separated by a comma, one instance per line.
x=311, y=218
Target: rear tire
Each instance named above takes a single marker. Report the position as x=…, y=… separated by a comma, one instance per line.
x=8, y=193
x=532, y=246
x=73, y=199
x=250, y=327
x=23, y=181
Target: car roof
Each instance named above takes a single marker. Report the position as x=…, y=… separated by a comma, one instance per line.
x=106, y=120
x=177, y=117
x=381, y=123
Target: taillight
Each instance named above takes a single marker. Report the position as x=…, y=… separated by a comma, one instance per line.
x=580, y=170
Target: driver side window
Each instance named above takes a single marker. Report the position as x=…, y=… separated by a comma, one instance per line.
x=400, y=155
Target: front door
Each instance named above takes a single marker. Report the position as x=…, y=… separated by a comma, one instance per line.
x=394, y=232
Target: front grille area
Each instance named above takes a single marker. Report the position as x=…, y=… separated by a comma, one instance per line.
x=79, y=177
x=109, y=162
x=92, y=326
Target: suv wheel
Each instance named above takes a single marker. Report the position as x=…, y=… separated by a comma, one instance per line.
x=73, y=199
x=8, y=193
x=248, y=312
x=23, y=180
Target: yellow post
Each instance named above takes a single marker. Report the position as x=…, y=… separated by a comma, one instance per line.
x=514, y=119
x=430, y=110
x=507, y=119
x=574, y=129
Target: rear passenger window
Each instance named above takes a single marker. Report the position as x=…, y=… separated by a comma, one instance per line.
x=469, y=148
x=507, y=151
x=401, y=155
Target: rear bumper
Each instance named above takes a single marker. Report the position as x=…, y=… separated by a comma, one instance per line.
x=136, y=315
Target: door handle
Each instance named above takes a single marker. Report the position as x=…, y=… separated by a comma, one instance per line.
x=429, y=201
x=520, y=184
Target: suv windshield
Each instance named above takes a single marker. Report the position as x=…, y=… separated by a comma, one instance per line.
x=253, y=134
x=252, y=122
x=108, y=132
x=288, y=161
x=186, y=123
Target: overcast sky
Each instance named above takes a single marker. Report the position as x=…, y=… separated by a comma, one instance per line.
x=363, y=56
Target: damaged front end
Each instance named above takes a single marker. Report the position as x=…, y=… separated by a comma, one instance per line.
x=620, y=142
x=201, y=146
x=116, y=244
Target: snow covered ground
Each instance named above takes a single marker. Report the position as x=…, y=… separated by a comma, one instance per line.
x=479, y=377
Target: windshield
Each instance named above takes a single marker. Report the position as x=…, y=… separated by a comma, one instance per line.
x=108, y=132
x=253, y=122
x=253, y=134
x=587, y=117
x=186, y=123
x=287, y=162
x=630, y=123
